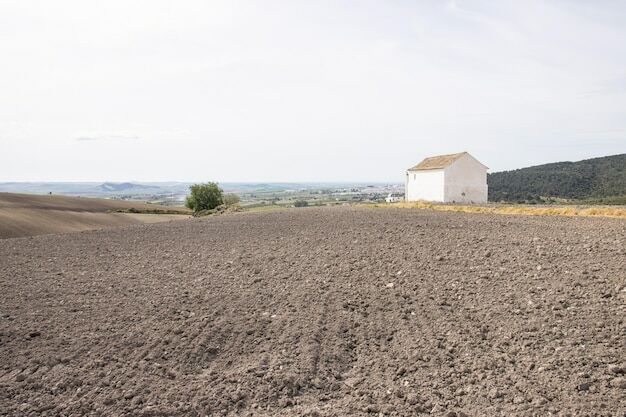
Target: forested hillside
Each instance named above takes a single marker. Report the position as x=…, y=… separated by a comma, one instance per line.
x=601, y=180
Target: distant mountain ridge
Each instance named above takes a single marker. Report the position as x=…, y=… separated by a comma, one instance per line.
x=96, y=189
x=124, y=186
x=601, y=179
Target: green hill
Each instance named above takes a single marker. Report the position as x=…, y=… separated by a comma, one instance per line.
x=597, y=180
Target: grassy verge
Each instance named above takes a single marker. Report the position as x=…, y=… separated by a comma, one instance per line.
x=274, y=207
x=604, y=211
x=268, y=207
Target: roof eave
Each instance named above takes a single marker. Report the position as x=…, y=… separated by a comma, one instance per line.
x=425, y=169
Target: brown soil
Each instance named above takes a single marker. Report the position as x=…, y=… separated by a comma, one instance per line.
x=30, y=214
x=319, y=312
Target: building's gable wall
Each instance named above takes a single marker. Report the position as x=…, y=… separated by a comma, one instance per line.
x=465, y=181
x=425, y=185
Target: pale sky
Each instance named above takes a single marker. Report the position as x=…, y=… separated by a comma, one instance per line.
x=304, y=90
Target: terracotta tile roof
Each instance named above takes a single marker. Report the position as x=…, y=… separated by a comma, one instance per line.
x=437, y=162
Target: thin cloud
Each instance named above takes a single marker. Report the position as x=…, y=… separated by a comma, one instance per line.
x=131, y=134
x=97, y=137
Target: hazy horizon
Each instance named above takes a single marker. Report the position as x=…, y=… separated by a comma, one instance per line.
x=208, y=180
x=304, y=92
x=251, y=182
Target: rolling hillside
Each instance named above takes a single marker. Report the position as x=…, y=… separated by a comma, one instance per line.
x=30, y=215
x=600, y=180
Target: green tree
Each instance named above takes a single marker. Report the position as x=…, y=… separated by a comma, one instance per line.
x=204, y=196
x=230, y=199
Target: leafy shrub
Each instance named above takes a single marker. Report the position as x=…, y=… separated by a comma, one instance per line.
x=301, y=203
x=230, y=199
x=204, y=197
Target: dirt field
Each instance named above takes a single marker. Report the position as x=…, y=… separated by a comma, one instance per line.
x=31, y=215
x=318, y=312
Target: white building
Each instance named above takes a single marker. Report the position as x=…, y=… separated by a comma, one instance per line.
x=394, y=197
x=455, y=178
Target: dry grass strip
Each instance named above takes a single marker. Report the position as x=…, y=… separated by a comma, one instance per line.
x=604, y=211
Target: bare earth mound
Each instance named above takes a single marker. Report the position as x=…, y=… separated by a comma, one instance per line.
x=319, y=312
x=30, y=214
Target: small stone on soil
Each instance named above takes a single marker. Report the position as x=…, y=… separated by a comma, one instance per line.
x=619, y=382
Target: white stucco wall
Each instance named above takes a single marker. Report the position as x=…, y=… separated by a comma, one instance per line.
x=425, y=185
x=465, y=181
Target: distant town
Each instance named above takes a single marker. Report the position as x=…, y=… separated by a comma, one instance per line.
x=251, y=194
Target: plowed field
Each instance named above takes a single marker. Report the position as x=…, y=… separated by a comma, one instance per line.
x=318, y=312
